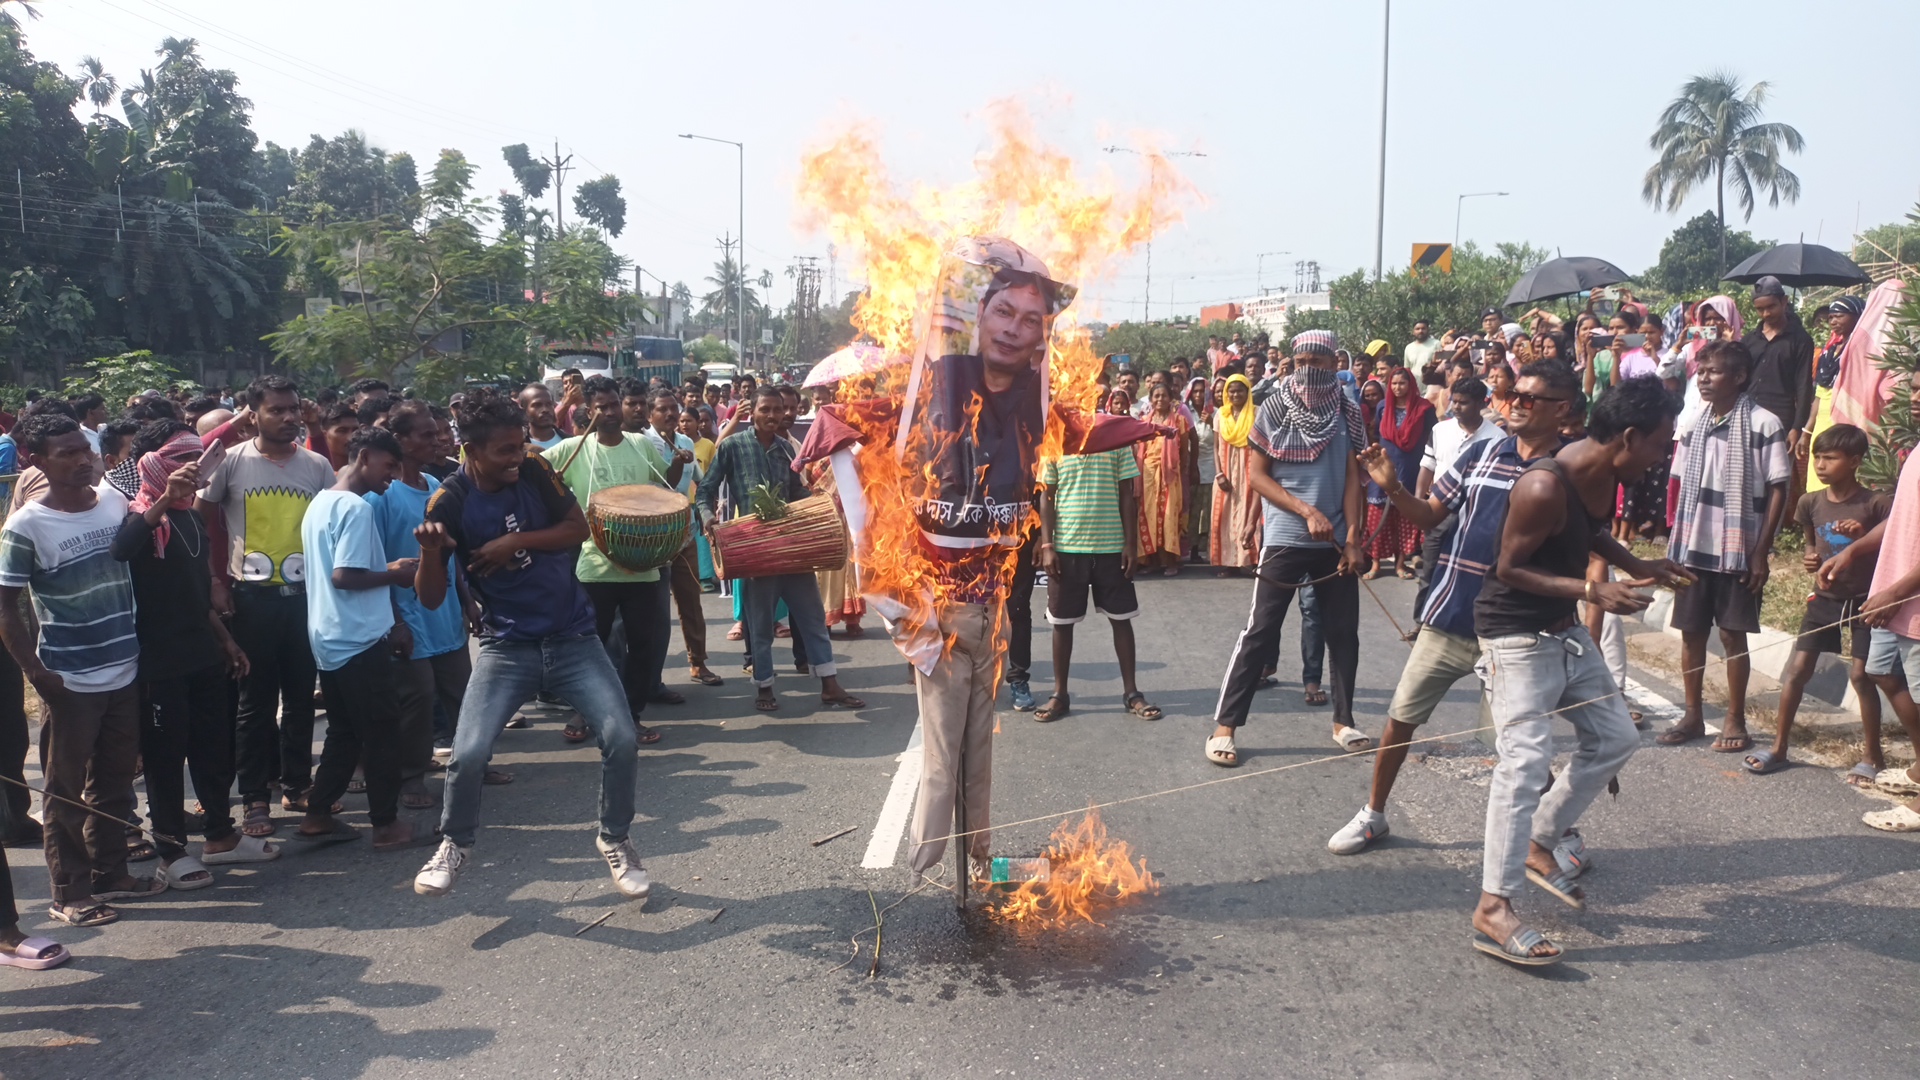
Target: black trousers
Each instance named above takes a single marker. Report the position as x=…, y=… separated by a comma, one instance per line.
x=14, y=743
x=187, y=724
x=1339, y=602
x=645, y=609
x=363, y=728
x=1020, y=613
x=279, y=687
x=1437, y=538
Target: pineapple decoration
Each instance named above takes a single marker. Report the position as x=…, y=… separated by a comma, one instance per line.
x=765, y=503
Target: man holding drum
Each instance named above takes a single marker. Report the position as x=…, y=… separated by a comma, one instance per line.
x=609, y=456
x=760, y=457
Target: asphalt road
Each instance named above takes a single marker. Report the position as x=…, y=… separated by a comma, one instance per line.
x=1736, y=926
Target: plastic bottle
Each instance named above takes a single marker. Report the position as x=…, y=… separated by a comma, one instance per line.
x=1005, y=871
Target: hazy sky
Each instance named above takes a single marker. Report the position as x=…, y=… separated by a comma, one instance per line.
x=1551, y=102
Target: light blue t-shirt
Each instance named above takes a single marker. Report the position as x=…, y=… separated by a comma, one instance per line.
x=1320, y=483
x=338, y=532
x=395, y=514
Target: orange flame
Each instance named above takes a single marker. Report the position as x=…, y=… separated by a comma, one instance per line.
x=1023, y=190
x=1090, y=873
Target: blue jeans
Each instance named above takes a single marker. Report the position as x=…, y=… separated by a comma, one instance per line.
x=805, y=617
x=507, y=676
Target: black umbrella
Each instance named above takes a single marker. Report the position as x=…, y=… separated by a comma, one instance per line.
x=1800, y=266
x=1563, y=277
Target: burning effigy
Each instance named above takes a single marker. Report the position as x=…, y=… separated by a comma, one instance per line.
x=970, y=371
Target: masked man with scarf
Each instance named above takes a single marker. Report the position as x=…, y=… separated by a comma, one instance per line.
x=1304, y=437
x=188, y=659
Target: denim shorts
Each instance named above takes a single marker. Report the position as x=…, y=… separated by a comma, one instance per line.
x=1888, y=652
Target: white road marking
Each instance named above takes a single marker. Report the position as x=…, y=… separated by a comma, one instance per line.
x=1656, y=705
x=884, y=845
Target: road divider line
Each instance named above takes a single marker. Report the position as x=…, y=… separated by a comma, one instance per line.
x=884, y=845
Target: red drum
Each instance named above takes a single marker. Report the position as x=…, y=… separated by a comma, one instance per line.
x=811, y=537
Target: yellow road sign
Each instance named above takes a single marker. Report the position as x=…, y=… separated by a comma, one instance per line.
x=1438, y=256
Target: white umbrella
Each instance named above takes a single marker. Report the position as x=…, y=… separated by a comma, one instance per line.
x=855, y=359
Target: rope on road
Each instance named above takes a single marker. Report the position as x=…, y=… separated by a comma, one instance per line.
x=1621, y=693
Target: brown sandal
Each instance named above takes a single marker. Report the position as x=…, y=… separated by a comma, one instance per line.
x=258, y=820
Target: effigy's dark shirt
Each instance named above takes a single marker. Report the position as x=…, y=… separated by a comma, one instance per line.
x=983, y=447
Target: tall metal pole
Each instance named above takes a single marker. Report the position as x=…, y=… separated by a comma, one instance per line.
x=1457, y=203
x=1153, y=175
x=1380, y=205
x=740, y=284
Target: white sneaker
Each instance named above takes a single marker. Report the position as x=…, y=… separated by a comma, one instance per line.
x=628, y=875
x=437, y=877
x=1353, y=838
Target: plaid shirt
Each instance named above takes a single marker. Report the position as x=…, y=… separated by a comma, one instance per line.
x=742, y=464
x=1476, y=488
x=1699, y=530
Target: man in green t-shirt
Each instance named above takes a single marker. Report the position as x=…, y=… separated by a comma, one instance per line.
x=1090, y=524
x=607, y=457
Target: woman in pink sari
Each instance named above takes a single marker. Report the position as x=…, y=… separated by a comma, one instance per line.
x=1166, y=470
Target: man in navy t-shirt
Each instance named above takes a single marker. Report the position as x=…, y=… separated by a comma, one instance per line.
x=518, y=531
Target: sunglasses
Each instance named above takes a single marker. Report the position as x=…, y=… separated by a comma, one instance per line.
x=1528, y=401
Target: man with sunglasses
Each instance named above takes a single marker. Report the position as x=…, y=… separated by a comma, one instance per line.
x=1446, y=648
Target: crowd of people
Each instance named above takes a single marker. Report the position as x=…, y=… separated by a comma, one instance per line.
x=196, y=567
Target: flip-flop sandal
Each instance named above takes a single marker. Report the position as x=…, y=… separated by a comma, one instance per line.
x=1679, y=736
x=496, y=777
x=1518, y=949
x=1138, y=705
x=1562, y=886
x=35, y=954
x=1222, y=752
x=1762, y=762
x=418, y=800
x=95, y=914
x=1048, y=713
x=844, y=701
x=1316, y=697
x=766, y=704
x=258, y=821
x=185, y=874
x=708, y=679
x=574, y=734
x=1732, y=744
x=736, y=634
x=355, y=786
x=410, y=840
x=298, y=803
x=250, y=849
x=139, y=889
x=1352, y=740
x=141, y=851
x=339, y=834
x=1860, y=776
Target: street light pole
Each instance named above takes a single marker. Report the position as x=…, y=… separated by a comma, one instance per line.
x=1456, y=212
x=1380, y=204
x=1153, y=166
x=740, y=268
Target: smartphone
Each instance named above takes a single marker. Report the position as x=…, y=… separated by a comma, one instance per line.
x=1602, y=341
x=210, y=459
x=1478, y=352
x=1633, y=341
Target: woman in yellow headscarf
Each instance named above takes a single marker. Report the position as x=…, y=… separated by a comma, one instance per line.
x=1236, y=506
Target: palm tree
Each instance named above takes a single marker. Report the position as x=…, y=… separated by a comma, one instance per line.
x=725, y=280
x=6, y=16
x=175, y=50
x=97, y=85
x=1712, y=131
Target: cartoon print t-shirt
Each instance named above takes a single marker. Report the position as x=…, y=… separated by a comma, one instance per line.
x=262, y=502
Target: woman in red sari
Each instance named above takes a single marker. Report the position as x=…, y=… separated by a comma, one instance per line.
x=1405, y=419
x=1166, y=470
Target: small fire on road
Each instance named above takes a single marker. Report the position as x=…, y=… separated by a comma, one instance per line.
x=1089, y=874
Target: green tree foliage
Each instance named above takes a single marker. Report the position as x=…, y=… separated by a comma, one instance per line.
x=117, y=378
x=1154, y=345
x=1364, y=309
x=439, y=302
x=1898, y=431
x=1894, y=242
x=710, y=350
x=1713, y=132
x=529, y=172
x=1690, y=259
x=345, y=178
x=600, y=203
